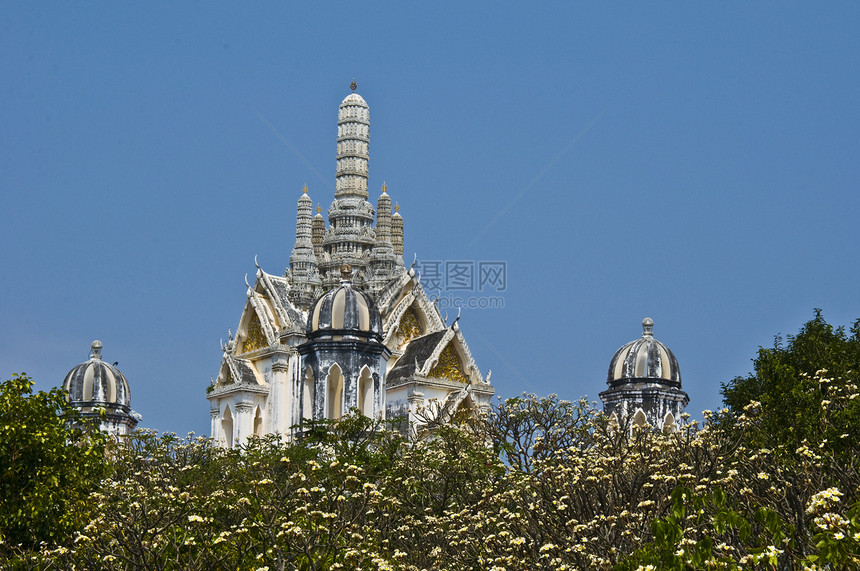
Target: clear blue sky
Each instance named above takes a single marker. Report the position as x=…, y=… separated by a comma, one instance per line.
x=692, y=162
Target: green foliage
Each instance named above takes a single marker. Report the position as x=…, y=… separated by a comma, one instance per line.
x=353, y=494
x=792, y=381
x=50, y=459
x=538, y=483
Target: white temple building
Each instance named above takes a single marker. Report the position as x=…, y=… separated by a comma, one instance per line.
x=347, y=326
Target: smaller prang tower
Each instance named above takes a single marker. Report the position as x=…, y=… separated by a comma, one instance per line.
x=645, y=384
x=95, y=386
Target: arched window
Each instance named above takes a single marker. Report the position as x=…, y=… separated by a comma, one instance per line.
x=334, y=392
x=308, y=394
x=365, y=392
x=639, y=419
x=258, y=422
x=227, y=427
x=669, y=425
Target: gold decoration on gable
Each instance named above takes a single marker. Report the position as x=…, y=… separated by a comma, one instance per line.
x=449, y=366
x=410, y=326
x=255, y=338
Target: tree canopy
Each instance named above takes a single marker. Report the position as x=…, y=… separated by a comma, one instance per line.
x=794, y=378
x=50, y=459
x=535, y=483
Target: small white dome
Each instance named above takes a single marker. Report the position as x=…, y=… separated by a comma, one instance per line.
x=96, y=383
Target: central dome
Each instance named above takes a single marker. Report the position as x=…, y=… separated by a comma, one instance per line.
x=344, y=311
x=644, y=359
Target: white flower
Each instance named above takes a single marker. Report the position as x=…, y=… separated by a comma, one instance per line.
x=823, y=500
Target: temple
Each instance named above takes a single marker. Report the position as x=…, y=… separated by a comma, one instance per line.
x=347, y=327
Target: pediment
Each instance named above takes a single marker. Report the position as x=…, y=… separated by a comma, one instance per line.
x=235, y=370
x=268, y=312
x=408, y=314
x=442, y=355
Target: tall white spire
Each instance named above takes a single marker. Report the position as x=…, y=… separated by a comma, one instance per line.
x=351, y=235
x=353, y=140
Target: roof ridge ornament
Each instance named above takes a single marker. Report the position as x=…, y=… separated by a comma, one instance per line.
x=353, y=85
x=96, y=350
x=647, y=326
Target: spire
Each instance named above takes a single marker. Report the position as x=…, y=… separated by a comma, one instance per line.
x=382, y=258
x=304, y=276
x=397, y=234
x=383, y=216
x=353, y=138
x=350, y=237
x=318, y=233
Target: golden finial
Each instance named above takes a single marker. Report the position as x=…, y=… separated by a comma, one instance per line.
x=384, y=187
x=353, y=85
x=346, y=272
x=396, y=207
x=305, y=189
x=319, y=209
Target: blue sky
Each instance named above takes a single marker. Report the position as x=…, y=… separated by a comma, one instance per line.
x=696, y=163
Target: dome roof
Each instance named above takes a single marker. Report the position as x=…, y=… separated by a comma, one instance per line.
x=345, y=311
x=96, y=383
x=644, y=359
x=354, y=99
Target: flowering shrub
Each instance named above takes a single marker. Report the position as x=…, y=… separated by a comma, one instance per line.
x=574, y=493
x=536, y=483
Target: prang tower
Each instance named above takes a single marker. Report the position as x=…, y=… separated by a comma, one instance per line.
x=347, y=327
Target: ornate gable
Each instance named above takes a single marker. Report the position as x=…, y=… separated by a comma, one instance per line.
x=408, y=313
x=449, y=366
x=441, y=355
x=410, y=327
x=459, y=406
x=276, y=290
x=267, y=313
x=257, y=325
x=235, y=370
x=255, y=338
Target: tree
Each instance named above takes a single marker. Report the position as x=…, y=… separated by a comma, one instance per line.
x=794, y=382
x=50, y=460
